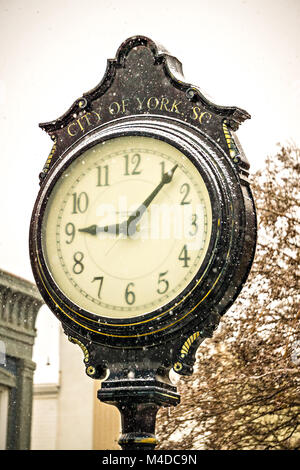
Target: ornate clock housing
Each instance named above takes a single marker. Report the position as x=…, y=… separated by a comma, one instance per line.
x=143, y=231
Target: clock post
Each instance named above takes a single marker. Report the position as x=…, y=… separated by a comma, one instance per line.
x=144, y=229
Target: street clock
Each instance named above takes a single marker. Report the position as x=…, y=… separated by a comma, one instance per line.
x=144, y=229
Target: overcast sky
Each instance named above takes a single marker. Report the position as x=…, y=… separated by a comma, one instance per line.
x=240, y=53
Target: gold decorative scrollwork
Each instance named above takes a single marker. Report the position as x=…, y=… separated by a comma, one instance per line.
x=185, y=350
x=82, y=346
x=233, y=151
x=186, y=346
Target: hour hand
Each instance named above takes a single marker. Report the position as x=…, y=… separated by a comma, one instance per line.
x=116, y=229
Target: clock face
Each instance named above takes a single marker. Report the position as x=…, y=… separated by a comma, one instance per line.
x=126, y=227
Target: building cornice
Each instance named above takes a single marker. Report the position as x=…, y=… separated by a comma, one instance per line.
x=20, y=302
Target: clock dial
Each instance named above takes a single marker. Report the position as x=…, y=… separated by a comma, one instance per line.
x=127, y=227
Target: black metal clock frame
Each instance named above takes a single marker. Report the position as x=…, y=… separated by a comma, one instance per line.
x=140, y=352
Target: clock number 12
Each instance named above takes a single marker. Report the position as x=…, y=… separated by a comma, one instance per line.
x=134, y=162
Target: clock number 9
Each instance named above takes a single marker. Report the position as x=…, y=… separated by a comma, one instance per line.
x=129, y=294
x=70, y=231
x=78, y=266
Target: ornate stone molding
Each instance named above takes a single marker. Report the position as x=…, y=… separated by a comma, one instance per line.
x=20, y=302
x=19, y=306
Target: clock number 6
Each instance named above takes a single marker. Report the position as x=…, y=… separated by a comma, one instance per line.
x=129, y=294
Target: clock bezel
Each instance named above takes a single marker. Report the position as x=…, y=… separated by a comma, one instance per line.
x=219, y=176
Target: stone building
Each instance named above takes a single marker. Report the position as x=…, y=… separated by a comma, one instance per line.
x=19, y=305
x=38, y=415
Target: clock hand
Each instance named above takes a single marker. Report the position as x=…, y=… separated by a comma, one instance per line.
x=95, y=229
x=138, y=213
x=92, y=229
x=129, y=227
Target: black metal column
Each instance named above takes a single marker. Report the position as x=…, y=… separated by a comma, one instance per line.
x=138, y=402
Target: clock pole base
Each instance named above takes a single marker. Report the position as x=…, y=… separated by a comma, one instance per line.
x=138, y=402
x=138, y=426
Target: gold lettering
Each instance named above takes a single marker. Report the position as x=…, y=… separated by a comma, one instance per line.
x=164, y=102
x=113, y=105
x=69, y=129
x=85, y=116
x=195, y=114
x=207, y=119
x=124, y=104
x=87, y=120
x=198, y=114
x=98, y=115
x=140, y=103
x=156, y=102
x=80, y=125
x=174, y=107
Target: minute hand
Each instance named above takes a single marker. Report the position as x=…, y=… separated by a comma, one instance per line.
x=138, y=213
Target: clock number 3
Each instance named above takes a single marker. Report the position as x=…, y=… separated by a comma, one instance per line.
x=194, y=225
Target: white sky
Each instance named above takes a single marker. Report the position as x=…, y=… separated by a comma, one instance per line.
x=240, y=53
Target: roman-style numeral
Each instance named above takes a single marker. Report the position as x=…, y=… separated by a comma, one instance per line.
x=102, y=175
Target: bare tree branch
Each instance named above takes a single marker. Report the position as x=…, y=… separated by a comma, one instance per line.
x=245, y=391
